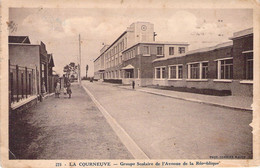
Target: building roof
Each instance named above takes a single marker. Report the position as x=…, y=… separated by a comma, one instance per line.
x=43, y=50
x=167, y=58
x=111, y=44
x=200, y=50
x=206, y=49
x=166, y=42
x=157, y=42
x=129, y=66
x=19, y=39
x=242, y=33
x=50, y=60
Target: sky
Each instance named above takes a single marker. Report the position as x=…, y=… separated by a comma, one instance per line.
x=59, y=28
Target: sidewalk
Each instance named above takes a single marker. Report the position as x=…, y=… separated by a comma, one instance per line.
x=62, y=128
x=234, y=102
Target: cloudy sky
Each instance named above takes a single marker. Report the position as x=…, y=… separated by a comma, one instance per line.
x=59, y=28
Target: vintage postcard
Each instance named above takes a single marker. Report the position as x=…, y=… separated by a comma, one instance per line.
x=125, y=84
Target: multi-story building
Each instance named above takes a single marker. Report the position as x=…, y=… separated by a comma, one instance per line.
x=227, y=66
x=130, y=56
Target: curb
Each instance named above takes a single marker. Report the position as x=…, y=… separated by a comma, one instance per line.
x=129, y=143
x=196, y=101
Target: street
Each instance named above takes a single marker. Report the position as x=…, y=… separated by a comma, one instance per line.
x=167, y=128
x=160, y=127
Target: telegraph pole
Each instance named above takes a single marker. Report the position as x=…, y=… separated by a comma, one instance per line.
x=79, y=66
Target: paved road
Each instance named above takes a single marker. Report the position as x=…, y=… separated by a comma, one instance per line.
x=167, y=128
x=65, y=129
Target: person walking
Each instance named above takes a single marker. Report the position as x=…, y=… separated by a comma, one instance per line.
x=69, y=91
x=57, y=90
x=133, y=84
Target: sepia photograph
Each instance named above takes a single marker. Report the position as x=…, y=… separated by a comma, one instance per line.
x=127, y=84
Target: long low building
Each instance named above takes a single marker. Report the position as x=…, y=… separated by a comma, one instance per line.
x=226, y=66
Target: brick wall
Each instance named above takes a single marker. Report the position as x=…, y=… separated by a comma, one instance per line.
x=239, y=45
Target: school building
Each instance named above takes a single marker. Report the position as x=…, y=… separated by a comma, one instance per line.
x=135, y=55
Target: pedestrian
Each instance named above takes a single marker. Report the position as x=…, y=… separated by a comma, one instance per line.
x=133, y=84
x=43, y=87
x=57, y=90
x=69, y=89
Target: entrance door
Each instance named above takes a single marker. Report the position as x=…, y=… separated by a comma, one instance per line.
x=129, y=73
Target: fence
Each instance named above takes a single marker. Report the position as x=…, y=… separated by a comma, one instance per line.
x=22, y=83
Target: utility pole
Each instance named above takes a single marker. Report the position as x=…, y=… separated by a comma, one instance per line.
x=79, y=66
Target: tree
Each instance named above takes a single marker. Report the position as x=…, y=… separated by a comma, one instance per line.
x=87, y=71
x=70, y=69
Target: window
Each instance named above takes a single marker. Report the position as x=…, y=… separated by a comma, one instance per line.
x=120, y=60
x=116, y=62
x=180, y=71
x=146, y=50
x=249, y=67
x=181, y=50
x=125, y=43
x=205, y=70
x=113, y=62
x=173, y=72
x=163, y=72
x=171, y=50
x=159, y=51
x=226, y=69
x=194, y=71
x=158, y=73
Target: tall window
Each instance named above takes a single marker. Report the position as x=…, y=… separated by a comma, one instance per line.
x=195, y=71
x=116, y=62
x=249, y=67
x=159, y=51
x=205, y=70
x=158, y=73
x=226, y=69
x=146, y=50
x=163, y=72
x=171, y=50
x=173, y=72
x=121, y=58
x=181, y=50
x=180, y=72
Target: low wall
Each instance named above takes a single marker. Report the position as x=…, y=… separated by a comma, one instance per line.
x=22, y=106
x=242, y=89
x=119, y=81
x=236, y=88
x=160, y=82
x=127, y=81
x=138, y=81
x=146, y=81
